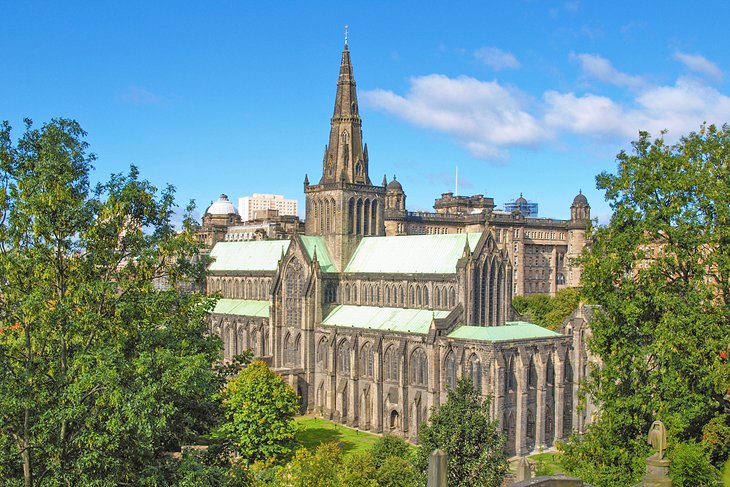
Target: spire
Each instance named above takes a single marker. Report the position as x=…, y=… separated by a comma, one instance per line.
x=345, y=158
x=306, y=180
x=385, y=180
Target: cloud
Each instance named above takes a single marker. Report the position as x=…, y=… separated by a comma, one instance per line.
x=701, y=64
x=488, y=118
x=137, y=95
x=496, y=58
x=483, y=116
x=601, y=69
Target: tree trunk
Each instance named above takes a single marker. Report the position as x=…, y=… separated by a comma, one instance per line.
x=27, y=472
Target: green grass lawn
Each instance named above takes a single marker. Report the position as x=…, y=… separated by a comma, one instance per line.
x=550, y=463
x=317, y=430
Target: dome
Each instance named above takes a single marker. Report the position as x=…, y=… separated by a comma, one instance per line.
x=580, y=200
x=222, y=207
x=395, y=185
x=521, y=199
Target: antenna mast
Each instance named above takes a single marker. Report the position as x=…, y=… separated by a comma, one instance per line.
x=456, y=190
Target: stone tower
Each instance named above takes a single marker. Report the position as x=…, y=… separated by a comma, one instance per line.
x=580, y=215
x=344, y=206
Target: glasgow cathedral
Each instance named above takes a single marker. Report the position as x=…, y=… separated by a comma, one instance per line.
x=374, y=312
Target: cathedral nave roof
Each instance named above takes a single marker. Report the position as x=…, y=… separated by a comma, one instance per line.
x=411, y=254
x=251, y=255
x=385, y=319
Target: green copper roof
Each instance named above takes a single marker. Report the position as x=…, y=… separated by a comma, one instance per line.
x=323, y=256
x=251, y=255
x=391, y=319
x=513, y=330
x=242, y=307
x=411, y=254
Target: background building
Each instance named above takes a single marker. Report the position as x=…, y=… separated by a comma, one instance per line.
x=542, y=250
x=254, y=207
x=527, y=208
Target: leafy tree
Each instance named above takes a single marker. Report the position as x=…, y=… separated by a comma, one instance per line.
x=389, y=446
x=312, y=469
x=102, y=369
x=396, y=472
x=259, y=408
x=691, y=466
x=463, y=429
x=358, y=470
x=548, y=311
x=661, y=272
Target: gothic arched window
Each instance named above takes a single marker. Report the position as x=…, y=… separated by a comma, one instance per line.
x=475, y=372
x=532, y=375
x=322, y=354
x=367, y=358
x=391, y=364
x=293, y=284
x=343, y=357
x=510, y=383
x=451, y=370
x=419, y=368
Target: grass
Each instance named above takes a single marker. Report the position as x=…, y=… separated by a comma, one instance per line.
x=548, y=463
x=317, y=430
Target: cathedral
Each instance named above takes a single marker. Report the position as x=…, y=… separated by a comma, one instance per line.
x=372, y=328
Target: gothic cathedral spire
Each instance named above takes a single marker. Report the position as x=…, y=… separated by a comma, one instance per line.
x=344, y=157
x=345, y=206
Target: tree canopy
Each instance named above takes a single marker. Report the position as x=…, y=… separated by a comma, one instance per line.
x=463, y=429
x=104, y=363
x=660, y=270
x=259, y=409
x=548, y=311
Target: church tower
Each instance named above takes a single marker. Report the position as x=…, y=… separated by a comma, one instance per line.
x=345, y=206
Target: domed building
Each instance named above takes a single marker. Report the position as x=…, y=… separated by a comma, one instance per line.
x=218, y=217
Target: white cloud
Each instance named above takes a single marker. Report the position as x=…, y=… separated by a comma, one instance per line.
x=483, y=116
x=701, y=64
x=137, y=95
x=496, y=58
x=601, y=69
x=585, y=115
x=488, y=118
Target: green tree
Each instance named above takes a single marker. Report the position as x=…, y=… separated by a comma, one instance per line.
x=463, y=429
x=312, y=469
x=548, y=311
x=358, y=470
x=389, y=446
x=102, y=369
x=691, y=466
x=396, y=472
x=259, y=410
x=661, y=272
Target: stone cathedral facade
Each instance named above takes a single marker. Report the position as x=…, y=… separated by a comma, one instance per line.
x=372, y=330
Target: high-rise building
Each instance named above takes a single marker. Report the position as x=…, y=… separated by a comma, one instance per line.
x=258, y=206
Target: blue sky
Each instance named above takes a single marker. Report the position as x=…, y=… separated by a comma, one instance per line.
x=530, y=97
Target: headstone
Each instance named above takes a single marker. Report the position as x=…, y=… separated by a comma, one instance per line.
x=523, y=470
x=437, y=465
